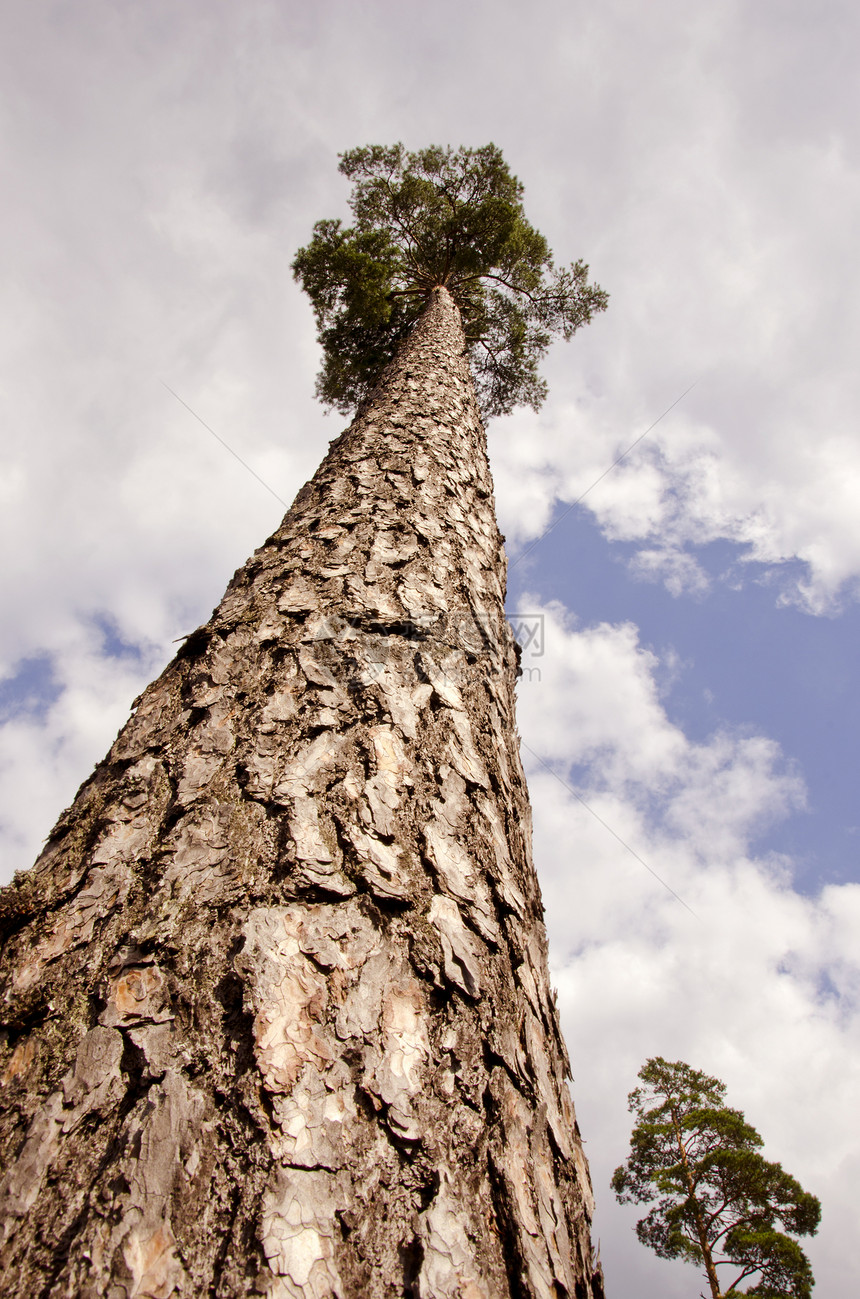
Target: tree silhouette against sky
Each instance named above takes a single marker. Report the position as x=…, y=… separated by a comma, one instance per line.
x=720, y=1203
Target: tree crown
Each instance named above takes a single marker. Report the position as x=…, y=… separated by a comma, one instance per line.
x=438, y=218
x=719, y=1201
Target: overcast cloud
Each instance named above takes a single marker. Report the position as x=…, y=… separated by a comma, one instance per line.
x=718, y=962
x=163, y=162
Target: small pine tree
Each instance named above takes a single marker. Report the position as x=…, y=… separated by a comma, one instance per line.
x=718, y=1200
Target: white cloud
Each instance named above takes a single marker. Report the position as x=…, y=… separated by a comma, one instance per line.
x=760, y=987
x=597, y=703
x=726, y=239
x=49, y=745
x=680, y=571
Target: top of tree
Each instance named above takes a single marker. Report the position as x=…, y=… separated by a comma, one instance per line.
x=720, y=1203
x=438, y=218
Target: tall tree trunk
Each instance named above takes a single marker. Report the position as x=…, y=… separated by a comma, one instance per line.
x=697, y=1211
x=278, y=1015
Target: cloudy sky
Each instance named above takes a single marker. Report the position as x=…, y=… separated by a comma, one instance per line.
x=691, y=721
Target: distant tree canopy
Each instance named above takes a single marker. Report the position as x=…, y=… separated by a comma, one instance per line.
x=438, y=217
x=719, y=1202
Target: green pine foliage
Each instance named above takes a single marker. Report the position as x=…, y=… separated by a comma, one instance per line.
x=720, y=1204
x=438, y=217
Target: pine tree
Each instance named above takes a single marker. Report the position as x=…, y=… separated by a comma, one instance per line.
x=720, y=1203
x=277, y=1011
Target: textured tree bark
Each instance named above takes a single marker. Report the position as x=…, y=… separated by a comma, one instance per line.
x=277, y=1011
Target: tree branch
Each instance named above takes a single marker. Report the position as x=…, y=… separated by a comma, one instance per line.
x=407, y=231
x=748, y=1271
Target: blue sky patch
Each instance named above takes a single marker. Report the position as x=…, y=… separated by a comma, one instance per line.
x=743, y=662
x=32, y=689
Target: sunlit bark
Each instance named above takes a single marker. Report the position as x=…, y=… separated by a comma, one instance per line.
x=278, y=1015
